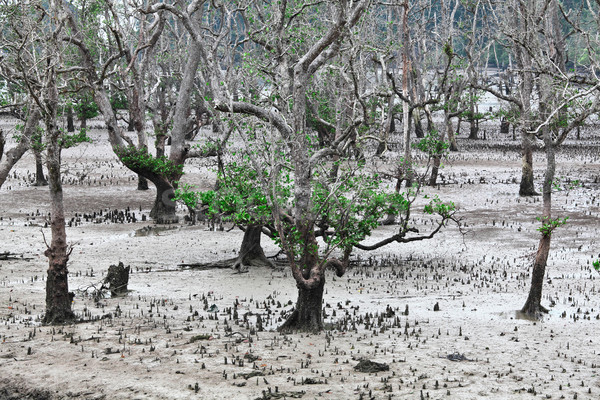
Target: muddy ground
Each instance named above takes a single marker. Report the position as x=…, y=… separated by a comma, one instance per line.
x=210, y=334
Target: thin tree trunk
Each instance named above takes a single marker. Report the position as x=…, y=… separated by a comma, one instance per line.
x=408, y=173
x=70, y=124
x=40, y=179
x=437, y=156
x=548, y=99
x=533, y=305
x=58, y=299
x=527, y=184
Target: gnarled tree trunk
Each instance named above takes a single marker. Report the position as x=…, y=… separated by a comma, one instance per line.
x=164, y=209
x=251, y=252
x=308, y=312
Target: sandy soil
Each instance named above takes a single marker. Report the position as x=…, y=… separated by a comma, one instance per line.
x=165, y=340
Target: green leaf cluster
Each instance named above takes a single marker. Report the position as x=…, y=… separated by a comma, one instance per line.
x=550, y=224
x=353, y=208
x=437, y=206
x=86, y=108
x=66, y=141
x=140, y=160
x=238, y=199
x=432, y=145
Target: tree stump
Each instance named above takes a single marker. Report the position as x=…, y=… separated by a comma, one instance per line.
x=117, y=279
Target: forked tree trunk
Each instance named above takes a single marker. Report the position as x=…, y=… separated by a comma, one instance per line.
x=548, y=99
x=308, y=313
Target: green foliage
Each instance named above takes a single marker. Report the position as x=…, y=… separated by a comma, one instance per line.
x=596, y=265
x=66, y=141
x=558, y=185
x=353, y=207
x=438, y=207
x=550, y=224
x=119, y=102
x=37, y=143
x=432, y=145
x=448, y=50
x=239, y=198
x=140, y=160
x=86, y=108
x=346, y=210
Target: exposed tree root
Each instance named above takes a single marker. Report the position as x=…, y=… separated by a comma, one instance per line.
x=237, y=263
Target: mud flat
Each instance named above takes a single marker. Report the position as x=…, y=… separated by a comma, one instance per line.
x=442, y=314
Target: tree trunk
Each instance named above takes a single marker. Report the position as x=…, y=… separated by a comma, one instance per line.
x=308, y=313
x=13, y=155
x=142, y=183
x=527, y=185
x=504, y=126
x=58, y=298
x=451, y=135
x=83, y=124
x=548, y=100
x=408, y=173
x=419, y=133
x=533, y=305
x=164, y=209
x=251, y=252
x=474, y=130
x=389, y=127
x=70, y=124
x=40, y=179
x=435, y=168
